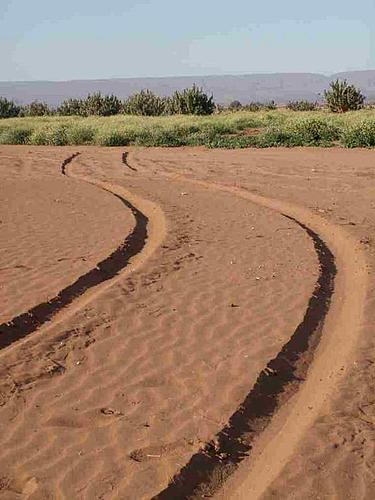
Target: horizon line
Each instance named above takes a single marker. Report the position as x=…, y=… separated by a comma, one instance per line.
x=212, y=75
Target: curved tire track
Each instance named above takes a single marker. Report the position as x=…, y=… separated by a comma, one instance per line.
x=208, y=471
x=212, y=465
x=28, y=322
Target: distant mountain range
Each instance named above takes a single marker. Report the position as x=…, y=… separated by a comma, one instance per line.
x=281, y=87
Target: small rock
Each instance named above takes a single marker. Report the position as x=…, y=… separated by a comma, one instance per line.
x=110, y=412
x=366, y=240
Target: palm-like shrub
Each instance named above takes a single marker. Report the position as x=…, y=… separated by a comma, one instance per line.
x=35, y=108
x=101, y=105
x=8, y=109
x=342, y=97
x=94, y=105
x=145, y=103
x=191, y=101
x=71, y=107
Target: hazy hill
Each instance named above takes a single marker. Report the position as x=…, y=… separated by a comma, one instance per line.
x=281, y=87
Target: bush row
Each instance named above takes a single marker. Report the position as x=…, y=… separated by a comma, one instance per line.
x=340, y=98
x=192, y=101
x=309, y=131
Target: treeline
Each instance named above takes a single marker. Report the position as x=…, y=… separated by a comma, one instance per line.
x=339, y=98
x=190, y=101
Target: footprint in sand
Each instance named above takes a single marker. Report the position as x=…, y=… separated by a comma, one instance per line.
x=100, y=417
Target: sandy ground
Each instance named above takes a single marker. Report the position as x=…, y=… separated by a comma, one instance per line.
x=113, y=396
x=52, y=229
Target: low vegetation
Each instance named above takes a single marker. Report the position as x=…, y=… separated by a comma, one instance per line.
x=250, y=106
x=302, y=106
x=225, y=130
x=190, y=118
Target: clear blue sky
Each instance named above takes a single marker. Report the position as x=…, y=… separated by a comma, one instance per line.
x=79, y=39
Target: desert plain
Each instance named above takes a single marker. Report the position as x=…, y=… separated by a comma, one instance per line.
x=187, y=323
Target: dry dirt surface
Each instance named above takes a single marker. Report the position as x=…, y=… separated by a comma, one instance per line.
x=186, y=323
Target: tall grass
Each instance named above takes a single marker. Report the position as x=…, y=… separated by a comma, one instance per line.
x=232, y=130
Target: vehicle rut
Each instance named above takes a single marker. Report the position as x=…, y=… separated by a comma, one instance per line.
x=213, y=464
x=269, y=423
x=28, y=322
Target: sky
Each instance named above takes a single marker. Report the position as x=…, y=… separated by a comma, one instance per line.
x=89, y=39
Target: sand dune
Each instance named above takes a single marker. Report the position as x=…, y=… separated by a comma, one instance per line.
x=113, y=396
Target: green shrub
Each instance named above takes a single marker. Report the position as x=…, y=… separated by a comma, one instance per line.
x=218, y=128
x=274, y=136
x=313, y=132
x=71, y=107
x=359, y=135
x=79, y=135
x=35, y=108
x=162, y=137
x=50, y=136
x=15, y=135
x=93, y=105
x=302, y=106
x=245, y=122
x=302, y=132
x=8, y=109
x=101, y=105
x=342, y=97
x=191, y=101
x=114, y=138
x=232, y=142
x=145, y=103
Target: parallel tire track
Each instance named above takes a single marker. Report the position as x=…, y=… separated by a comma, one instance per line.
x=207, y=472
x=29, y=321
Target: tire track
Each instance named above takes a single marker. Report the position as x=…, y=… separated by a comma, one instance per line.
x=208, y=469
x=29, y=321
x=125, y=161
